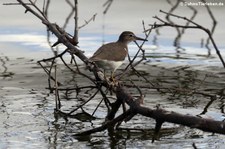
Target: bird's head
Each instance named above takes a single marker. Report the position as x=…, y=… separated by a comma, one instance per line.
x=128, y=36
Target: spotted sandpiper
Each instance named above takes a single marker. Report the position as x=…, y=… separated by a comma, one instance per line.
x=111, y=56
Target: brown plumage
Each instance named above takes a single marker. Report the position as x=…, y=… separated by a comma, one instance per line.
x=114, y=51
x=110, y=56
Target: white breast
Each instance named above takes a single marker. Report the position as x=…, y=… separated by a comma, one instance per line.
x=109, y=65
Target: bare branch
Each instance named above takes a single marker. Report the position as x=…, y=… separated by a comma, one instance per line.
x=100, y=83
x=88, y=21
x=195, y=26
x=107, y=4
x=75, y=37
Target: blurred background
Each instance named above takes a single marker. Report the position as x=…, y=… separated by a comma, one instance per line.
x=22, y=34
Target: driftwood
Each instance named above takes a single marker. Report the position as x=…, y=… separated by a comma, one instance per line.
x=122, y=96
x=160, y=115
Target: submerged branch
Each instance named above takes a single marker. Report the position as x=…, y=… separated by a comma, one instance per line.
x=159, y=115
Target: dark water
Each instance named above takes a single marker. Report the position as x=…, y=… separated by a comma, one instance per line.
x=27, y=107
x=27, y=119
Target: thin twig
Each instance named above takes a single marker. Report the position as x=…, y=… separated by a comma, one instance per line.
x=195, y=26
x=76, y=29
x=88, y=21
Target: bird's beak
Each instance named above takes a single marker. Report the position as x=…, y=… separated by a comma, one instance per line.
x=138, y=38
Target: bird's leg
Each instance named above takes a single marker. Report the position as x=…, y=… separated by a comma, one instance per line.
x=107, y=79
x=104, y=74
x=112, y=78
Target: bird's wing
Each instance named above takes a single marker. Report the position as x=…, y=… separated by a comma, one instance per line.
x=108, y=50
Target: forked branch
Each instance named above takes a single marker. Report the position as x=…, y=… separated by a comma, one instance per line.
x=193, y=26
x=122, y=95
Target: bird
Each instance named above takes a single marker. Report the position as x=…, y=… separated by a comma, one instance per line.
x=111, y=56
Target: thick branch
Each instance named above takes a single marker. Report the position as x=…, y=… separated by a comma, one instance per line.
x=54, y=30
x=173, y=117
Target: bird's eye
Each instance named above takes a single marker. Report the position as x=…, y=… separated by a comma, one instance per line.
x=131, y=35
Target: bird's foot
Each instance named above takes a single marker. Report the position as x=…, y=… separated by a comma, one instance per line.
x=113, y=81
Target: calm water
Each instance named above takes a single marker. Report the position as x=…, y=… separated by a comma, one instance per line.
x=27, y=119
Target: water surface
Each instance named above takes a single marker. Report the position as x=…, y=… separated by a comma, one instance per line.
x=27, y=107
